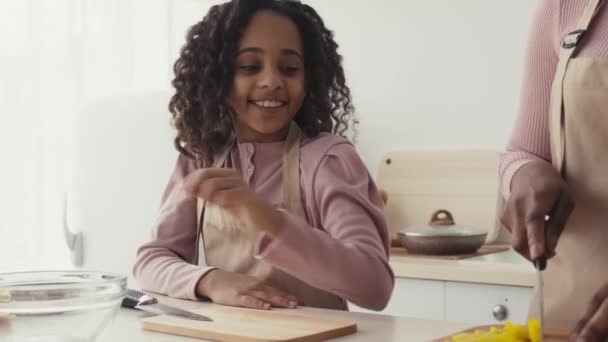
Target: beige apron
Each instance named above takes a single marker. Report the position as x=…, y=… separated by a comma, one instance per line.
x=229, y=245
x=579, y=147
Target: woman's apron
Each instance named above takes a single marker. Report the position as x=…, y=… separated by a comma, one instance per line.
x=579, y=148
x=230, y=245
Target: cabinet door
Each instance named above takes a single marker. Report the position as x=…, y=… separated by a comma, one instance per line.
x=476, y=303
x=414, y=298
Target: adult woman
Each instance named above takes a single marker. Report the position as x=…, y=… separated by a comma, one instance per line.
x=554, y=173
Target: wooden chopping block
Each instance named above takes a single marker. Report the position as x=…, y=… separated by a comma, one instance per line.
x=232, y=324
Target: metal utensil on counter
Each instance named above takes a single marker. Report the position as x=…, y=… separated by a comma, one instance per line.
x=442, y=236
x=141, y=301
x=540, y=264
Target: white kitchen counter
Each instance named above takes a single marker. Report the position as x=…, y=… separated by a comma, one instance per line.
x=371, y=327
x=505, y=268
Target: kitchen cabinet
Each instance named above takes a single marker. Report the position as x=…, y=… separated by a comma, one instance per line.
x=482, y=303
x=457, y=301
x=414, y=298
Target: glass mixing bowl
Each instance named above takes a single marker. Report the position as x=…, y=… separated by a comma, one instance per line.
x=70, y=306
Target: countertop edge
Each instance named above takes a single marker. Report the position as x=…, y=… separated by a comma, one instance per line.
x=482, y=272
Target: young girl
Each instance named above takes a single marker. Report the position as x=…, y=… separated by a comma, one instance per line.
x=266, y=206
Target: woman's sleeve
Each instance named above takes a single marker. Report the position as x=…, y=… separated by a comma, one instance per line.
x=530, y=137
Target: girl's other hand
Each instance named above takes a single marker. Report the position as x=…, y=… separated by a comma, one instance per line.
x=234, y=289
x=226, y=189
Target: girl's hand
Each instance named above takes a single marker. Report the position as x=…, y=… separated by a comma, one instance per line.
x=537, y=190
x=236, y=289
x=226, y=189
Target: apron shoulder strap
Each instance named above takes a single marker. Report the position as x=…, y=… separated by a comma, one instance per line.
x=218, y=161
x=292, y=192
x=567, y=49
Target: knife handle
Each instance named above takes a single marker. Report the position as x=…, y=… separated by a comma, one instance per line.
x=540, y=263
x=134, y=298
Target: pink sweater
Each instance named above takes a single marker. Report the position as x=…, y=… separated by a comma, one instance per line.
x=342, y=247
x=552, y=21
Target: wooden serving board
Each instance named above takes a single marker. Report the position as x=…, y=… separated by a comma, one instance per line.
x=551, y=334
x=232, y=324
x=420, y=181
x=483, y=250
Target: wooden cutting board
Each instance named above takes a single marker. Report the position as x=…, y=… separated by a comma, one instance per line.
x=419, y=182
x=551, y=334
x=232, y=324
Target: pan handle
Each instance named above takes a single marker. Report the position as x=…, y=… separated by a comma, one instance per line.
x=442, y=217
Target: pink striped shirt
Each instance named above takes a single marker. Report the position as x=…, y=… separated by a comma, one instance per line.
x=552, y=21
x=341, y=247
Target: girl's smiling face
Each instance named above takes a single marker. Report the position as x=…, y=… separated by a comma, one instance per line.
x=269, y=79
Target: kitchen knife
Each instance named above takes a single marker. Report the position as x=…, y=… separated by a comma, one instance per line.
x=541, y=264
x=139, y=300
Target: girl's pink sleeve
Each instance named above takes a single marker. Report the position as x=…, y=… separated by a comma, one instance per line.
x=166, y=264
x=348, y=254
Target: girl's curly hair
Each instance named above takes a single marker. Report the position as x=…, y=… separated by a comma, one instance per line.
x=204, y=75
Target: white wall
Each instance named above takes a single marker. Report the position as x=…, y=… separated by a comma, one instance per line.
x=100, y=70
x=431, y=73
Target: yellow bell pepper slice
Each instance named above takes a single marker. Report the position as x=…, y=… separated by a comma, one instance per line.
x=508, y=333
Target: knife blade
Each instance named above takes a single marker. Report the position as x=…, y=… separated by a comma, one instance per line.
x=141, y=301
x=541, y=264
